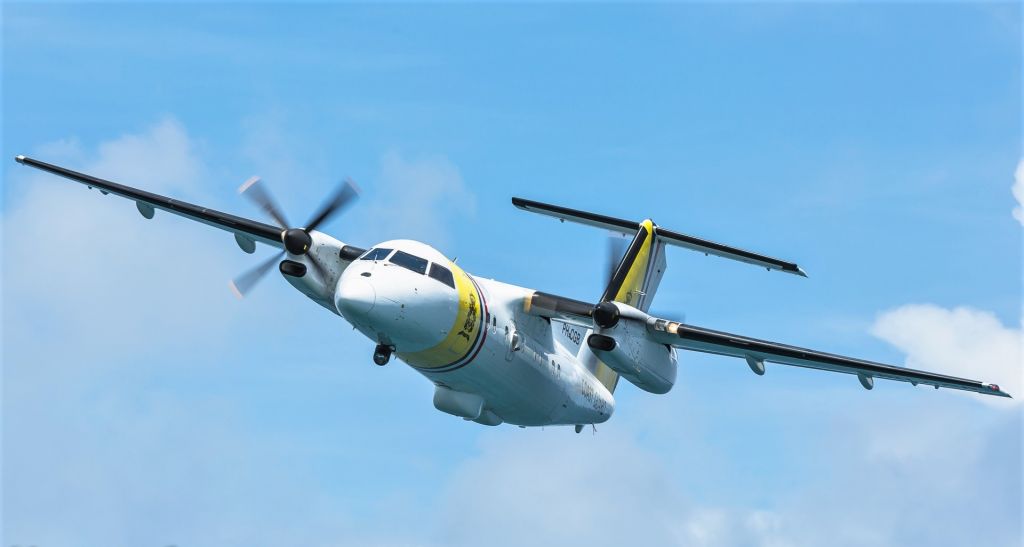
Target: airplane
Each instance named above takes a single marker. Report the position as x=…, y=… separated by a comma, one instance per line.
x=498, y=353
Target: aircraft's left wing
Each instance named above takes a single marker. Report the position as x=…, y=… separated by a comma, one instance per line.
x=757, y=352
x=246, y=231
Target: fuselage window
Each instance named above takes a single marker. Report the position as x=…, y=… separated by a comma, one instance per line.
x=442, y=274
x=378, y=253
x=410, y=262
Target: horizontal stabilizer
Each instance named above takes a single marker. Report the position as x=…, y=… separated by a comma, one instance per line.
x=666, y=236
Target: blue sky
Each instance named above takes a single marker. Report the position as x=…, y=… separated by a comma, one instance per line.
x=875, y=145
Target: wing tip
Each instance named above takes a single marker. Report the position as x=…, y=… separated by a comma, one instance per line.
x=790, y=269
x=795, y=270
x=20, y=159
x=993, y=389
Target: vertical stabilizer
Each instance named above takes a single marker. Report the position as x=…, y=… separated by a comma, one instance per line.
x=636, y=278
x=634, y=282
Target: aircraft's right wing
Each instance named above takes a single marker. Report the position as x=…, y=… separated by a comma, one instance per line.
x=757, y=352
x=246, y=231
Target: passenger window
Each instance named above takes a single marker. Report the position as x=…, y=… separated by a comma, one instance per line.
x=376, y=254
x=442, y=274
x=410, y=262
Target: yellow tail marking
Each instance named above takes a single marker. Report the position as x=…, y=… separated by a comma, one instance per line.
x=629, y=292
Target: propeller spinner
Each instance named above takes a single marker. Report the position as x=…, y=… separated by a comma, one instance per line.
x=297, y=241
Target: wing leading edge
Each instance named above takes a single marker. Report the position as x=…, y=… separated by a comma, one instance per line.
x=243, y=228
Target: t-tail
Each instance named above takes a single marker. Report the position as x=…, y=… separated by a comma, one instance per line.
x=636, y=278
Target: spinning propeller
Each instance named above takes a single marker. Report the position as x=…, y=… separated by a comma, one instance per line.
x=297, y=241
x=617, y=246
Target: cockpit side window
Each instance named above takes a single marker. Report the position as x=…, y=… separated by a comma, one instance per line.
x=377, y=253
x=442, y=274
x=410, y=262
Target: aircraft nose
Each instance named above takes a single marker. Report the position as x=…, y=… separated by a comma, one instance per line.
x=356, y=297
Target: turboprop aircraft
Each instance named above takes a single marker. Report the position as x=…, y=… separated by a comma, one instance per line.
x=497, y=353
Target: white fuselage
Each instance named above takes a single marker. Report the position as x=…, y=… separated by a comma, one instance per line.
x=540, y=383
x=471, y=338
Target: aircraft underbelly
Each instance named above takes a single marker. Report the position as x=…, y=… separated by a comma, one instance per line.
x=519, y=391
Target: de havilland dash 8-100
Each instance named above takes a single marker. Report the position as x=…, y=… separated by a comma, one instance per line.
x=497, y=353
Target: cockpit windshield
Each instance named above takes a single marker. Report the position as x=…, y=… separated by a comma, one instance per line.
x=377, y=253
x=412, y=263
x=409, y=262
x=442, y=274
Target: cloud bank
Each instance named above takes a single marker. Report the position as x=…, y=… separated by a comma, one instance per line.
x=961, y=341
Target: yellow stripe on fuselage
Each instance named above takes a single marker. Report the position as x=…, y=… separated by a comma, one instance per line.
x=463, y=332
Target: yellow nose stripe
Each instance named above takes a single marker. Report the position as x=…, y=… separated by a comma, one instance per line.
x=463, y=335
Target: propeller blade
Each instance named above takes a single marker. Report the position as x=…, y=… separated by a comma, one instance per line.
x=617, y=245
x=259, y=195
x=343, y=196
x=244, y=283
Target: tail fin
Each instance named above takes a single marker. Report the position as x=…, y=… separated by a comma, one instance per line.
x=634, y=282
x=639, y=273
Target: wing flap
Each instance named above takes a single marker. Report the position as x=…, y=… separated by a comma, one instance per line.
x=146, y=202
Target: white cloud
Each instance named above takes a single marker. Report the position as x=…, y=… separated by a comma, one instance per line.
x=101, y=309
x=421, y=198
x=557, y=488
x=882, y=476
x=1018, y=192
x=961, y=341
x=164, y=157
x=94, y=261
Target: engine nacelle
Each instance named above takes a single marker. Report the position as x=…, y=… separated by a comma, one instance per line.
x=621, y=342
x=333, y=257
